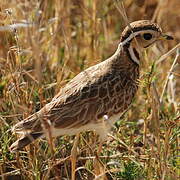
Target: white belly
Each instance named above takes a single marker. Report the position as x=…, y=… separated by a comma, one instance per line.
x=102, y=128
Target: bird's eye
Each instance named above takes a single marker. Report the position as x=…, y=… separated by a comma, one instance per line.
x=147, y=36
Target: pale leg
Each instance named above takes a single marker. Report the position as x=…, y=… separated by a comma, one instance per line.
x=74, y=156
x=99, y=168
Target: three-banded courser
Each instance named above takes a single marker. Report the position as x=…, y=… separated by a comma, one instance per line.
x=95, y=98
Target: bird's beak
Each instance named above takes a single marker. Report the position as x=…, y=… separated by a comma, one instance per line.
x=166, y=37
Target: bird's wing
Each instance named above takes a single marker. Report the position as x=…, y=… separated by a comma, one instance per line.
x=86, y=98
x=82, y=100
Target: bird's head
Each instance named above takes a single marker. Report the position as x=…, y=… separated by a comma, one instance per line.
x=139, y=35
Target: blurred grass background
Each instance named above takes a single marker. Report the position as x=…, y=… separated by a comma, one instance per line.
x=58, y=40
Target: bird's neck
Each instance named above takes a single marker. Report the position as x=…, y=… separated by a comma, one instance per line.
x=123, y=61
x=128, y=54
x=132, y=49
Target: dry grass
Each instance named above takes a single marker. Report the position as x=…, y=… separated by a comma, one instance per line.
x=63, y=38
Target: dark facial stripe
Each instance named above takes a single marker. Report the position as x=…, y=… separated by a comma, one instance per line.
x=136, y=53
x=128, y=54
x=128, y=32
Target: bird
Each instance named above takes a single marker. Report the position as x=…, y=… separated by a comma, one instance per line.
x=97, y=97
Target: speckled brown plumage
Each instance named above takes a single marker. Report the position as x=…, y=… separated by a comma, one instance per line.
x=97, y=95
x=105, y=89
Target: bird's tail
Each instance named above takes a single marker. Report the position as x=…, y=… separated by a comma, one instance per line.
x=24, y=141
x=29, y=130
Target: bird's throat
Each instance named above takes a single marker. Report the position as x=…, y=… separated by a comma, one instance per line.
x=133, y=54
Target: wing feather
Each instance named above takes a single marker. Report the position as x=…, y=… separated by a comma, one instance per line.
x=78, y=102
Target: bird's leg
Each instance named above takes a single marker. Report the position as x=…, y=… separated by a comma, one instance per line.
x=99, y=168
x=103, y=133
x=74, y=156
x=99, y=148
